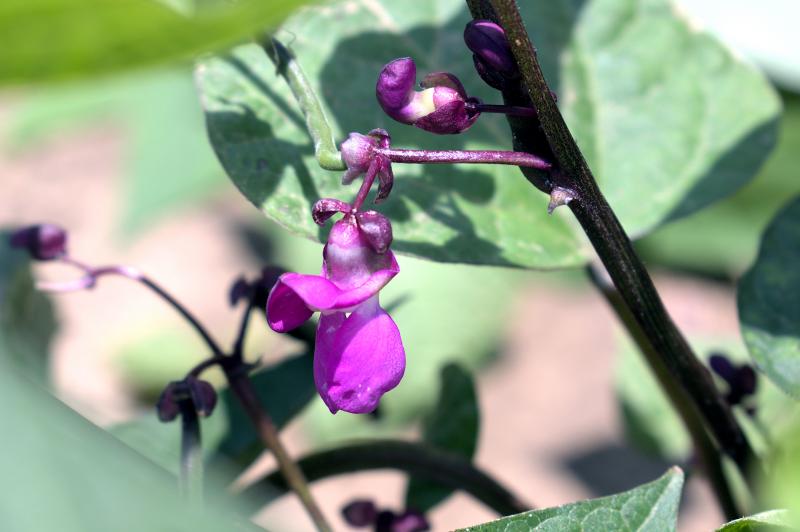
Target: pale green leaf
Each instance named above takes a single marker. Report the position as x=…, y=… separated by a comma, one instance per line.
x=650, y=507
x=771, y=521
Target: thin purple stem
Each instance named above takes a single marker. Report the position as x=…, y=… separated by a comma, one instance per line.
x=514, y=158
x=238, y=345
x=90, y=279
x=369, y=178
x=511, y=110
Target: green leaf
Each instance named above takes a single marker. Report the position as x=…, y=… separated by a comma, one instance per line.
x=664, y=114
x=60, y=472
x=773, y=520
x=453, y=426
x=650, y=507
x=46, y=40
x=27, y=321
x=161, y=442
x=768, y=297
x=284, y=390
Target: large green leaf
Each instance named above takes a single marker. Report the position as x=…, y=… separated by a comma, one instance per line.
x=60, y=472
x=453, y=426
x=768, y=297
x=650, y=507
x=668, y=119
x=27, y=322
x=771, y=521
x=46, y=40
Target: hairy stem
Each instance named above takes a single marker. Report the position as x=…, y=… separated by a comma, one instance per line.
x=191, y=472
x=317, y=124
x=417, y=459
x=513, y=158
x=242, y=388
x=605, y=232
x=706, y=449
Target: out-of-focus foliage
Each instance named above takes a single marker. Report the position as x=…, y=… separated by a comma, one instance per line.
x=649, y=507
x=779, y=487
x=168, y=162
x=723, y=239
x=772, y=521
x=769, y=302
x=452, y=426
x=47, y=40
x=27, y=322
x=667, y=128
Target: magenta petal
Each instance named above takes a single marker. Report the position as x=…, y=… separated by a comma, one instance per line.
x=285, y=309
x=357, y=359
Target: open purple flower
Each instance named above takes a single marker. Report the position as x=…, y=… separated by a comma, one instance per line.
x=358, y=355
x=442, y=107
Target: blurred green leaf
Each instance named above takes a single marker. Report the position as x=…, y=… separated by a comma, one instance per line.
x=453, y=426
x=768, y=296
x=27, y=321
x=723, y=239
x=771, y=521
x=161, y=442
x=47, y=40
x=60, y=472
x=649, y=507
x=284, y=389
x=667, y=118
x=168, y=162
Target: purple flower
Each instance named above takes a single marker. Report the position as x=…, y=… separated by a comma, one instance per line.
x=43, y=242
x=442, y=107
x=358, y=355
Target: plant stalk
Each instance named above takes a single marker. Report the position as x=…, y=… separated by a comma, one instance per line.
x=606, y=234
x=191, y=472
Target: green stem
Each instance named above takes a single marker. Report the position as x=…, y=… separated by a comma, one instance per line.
x=317, y=123
x=706, y=449
x=417, y=459
x=571, y=173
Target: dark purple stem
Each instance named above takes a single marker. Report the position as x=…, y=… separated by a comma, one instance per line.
x=514, y=158
x=369, y=178
x=511, y=110
x=93, y=273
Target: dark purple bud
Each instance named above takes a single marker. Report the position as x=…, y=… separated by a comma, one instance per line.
x=746, y=380
x=43, y=242
x=490, y=76
x=722, y=366
x=240, y=289
x=357, y=153
x=262, y=286
x=442, y=94
x=202, y=394
x=167, y=405
x=323, y=209
x=384, y=521
x=488, y=42
x=377, y=229
x=410, y=521
x=360, y=513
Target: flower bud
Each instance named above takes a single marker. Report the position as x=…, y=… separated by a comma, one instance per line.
x=43, y=242
x=360, y=513
x=441, y=107
x=359, y=152
x=410, y=521
x=202, y=395
x=377, y=230
x=493, y=59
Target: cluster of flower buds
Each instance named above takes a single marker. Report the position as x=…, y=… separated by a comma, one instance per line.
x=363, y=513
x=741, y=380
x=492, y=55
x=199, y=393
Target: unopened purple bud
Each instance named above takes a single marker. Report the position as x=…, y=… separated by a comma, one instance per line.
x=360, y=513
x=377, y=229
x=203, y=395
x=384, y=521
x=167, y=405
x=488, y=42
x=200, y=393
x=43, y=242
x=323, y=209
x=357, y=153
x=240, y=289
x=722, y=366
x=262, y=286
x=441, y=107
x=410, y=521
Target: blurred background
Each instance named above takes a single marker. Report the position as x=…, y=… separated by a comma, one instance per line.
x=124, y=164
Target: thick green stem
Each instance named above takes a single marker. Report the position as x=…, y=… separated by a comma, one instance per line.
x=572, y=174
x=417, y=459
x=706, y=449
x=317, y=124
